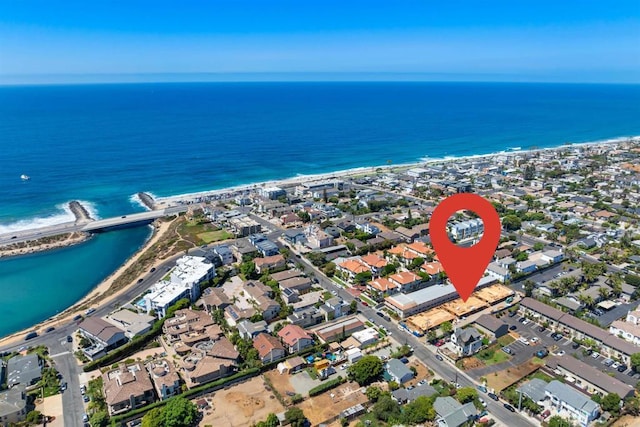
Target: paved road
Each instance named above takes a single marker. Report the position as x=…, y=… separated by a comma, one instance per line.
x=444, y=369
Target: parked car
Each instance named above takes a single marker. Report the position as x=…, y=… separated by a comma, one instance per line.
x=622, y=368
x=493, y=396
x=535, y=340
x=615, y=365
x=607, y=362
x=575, y=345
x=482, y=388
x=541, y=329
x=69, y=338
x=439, y=357
x=482, y=402
x=49, y=329
x=509, y=407
x=63, y=386
x=507, y=350
x=513, y=327
x=595, y=355
x=525, y=322
x=513, y=314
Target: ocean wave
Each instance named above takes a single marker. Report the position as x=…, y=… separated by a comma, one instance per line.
x=63, y=214
x=135, y=200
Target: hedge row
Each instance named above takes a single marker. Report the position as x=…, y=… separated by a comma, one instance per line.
x=326, y=386
x=187, y=394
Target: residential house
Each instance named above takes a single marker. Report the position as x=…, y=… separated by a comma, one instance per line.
x=374, y=263
x=269, y=348
x=404, y=395
x=406, y=281
x=25, y=370
x=295, y=338
x=494, y=327
x=269, y=263
x=202, y=368
x=398, y=371
x=164, y=377
x=294, y=236
x=628, y=330
x=588, y=378
x=215, y=299
x=13, y=405
x=224, y=253
x=334, y=308
x=580, y=407
x=249, y=330
x=103, y=335
x=452, y=413
x=466, y=341
x=501, y=273
x=127, y=387
x=526, y=267
x=132, y=323
x=340, y=329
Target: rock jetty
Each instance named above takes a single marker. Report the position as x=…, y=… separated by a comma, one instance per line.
x=147, y=200
x=79, y=211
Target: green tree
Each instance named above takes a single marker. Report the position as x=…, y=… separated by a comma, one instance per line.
x=389, y=269
x=366, y=370
x=538, y=246
x=386, y=409
x=179, y=412
x=329, y=269
x=528, y=286
x=153, y=418
x=248, y=270
x=373, y=393
x=295, y=417
x=446, y=327
x=34, y=417
x=353, y=306
x=558, y=421
x=363, y=277
x=635, y=362
x=611, y=403
x=466, y=394
x=304, y=216
x=419, y=411
x=632, y=406
x=511, y=223
x=100, y=419
x=271, y=421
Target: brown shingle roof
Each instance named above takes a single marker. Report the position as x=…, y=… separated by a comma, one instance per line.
x=265, y=343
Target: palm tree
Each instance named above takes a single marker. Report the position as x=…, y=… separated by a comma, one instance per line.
x=604, y=293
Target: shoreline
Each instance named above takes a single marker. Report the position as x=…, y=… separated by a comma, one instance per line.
x=166, y=201
x=44, y=244
x=163, y=202
x=159, y=230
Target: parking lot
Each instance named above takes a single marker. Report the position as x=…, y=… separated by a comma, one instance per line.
x=545, y=339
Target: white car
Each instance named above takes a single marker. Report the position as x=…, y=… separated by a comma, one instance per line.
x=523, y=340
x=525, y=322
x=535, y=340
x=560, y=353
x=595, y=355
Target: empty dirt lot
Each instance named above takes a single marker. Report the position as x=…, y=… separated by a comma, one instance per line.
x=241, y=405
x=322, y=407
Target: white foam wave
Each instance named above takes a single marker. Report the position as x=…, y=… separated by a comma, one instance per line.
x=90, y=207
x=63, y=215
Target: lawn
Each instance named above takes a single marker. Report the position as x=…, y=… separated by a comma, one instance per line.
x=506, y=340
x=492, y=356
x=215, y=236
x=368, y=300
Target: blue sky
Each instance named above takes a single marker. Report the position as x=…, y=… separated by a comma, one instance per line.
x=565, y=41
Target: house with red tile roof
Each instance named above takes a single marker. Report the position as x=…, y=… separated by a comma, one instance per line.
x=269, y=263
x=406, y=281
x=382, y=285
x=295, y=338
x=402, y=254
x=432, y=268
x=269, y=348
x=375, y=263
x=353, y=266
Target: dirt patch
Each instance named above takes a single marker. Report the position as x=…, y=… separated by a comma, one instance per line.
x=241, y=405
x=248, y=404
x=500, y=380
x=471, y=363
x=627, y=421
x=280, y=382
x=421, y=371
x=323, y=407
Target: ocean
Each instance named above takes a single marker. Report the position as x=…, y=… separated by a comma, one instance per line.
x=102, y=144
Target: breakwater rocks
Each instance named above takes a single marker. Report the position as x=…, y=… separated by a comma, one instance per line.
x=79, y=211
x=147, y=200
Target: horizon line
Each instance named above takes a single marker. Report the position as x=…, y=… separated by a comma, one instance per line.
x=282, y=77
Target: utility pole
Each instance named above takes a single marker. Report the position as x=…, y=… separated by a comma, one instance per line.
x=519, y=400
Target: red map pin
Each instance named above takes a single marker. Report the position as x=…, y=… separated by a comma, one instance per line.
x=464, y=266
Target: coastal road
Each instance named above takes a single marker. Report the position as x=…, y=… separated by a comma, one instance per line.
x=87, y=226
x=444, y=369
x=62, y=353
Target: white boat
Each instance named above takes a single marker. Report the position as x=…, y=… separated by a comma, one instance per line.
x=25, y=177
